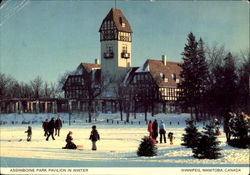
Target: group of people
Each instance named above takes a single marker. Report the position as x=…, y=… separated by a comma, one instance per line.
x=94, y=137
x=231, y=122
x=49, y=127
x=153, y=130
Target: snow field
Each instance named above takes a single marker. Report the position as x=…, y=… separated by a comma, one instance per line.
x=117, y=147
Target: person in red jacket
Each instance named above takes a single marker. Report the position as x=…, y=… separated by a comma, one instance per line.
x=150, y=129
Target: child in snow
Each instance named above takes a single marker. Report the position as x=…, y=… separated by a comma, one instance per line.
x=94, y=136
x=171, y=137
x=70, y=144
x=29, y=131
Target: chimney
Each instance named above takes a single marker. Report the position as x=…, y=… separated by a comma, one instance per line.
x=97, y=61
x=164, y=59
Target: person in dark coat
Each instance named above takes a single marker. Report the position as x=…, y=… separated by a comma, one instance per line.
x=94, y=136
x=155, y=129
x=51, y=127
x=45, y=127
x=58, y=126
x=70, y=144
x=29, y=133
x=227, y=128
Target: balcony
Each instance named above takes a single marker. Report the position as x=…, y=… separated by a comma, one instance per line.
x=108, y=55
x=125, y=55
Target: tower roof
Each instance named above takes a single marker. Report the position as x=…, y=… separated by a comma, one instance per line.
x=120, y=22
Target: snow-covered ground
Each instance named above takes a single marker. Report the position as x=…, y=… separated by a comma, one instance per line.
x=117, y=147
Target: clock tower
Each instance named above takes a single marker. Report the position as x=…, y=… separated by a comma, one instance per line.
x=116, y=39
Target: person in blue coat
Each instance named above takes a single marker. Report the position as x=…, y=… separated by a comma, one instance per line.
x=162, y=129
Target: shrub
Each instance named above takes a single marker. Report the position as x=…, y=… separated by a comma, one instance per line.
x=147, y=148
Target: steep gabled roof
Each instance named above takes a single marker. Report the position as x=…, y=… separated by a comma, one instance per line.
x=171, y=71
x=118, y=18
x=89, y=66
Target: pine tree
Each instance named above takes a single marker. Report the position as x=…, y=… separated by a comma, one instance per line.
x=194, y=74
x=207, y=145
x=147, y=148
x=192, y=135
x=240, y=132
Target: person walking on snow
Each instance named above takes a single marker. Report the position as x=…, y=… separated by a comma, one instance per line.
x=150, y=129
x=51, y=127
x=58, y=126
x=29, y=133
x=45, y=127
x=162, y=129
x=155, y=129
x=94, y=136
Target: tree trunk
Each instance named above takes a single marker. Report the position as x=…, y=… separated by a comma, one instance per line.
x=153, y=109
x=90, y=110
x=146, y=113
x=127, y=116
x=191, y=110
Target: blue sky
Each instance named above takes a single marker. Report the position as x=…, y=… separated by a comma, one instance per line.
x=48, y=38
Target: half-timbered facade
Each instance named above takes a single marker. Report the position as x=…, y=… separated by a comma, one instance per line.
x=156, y=82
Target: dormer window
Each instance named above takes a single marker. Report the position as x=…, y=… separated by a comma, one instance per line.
x=121, y=22
x=161, y=74
x=173, y=76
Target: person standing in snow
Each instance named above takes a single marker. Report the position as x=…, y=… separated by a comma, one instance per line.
x=29, y=133
x=45, y=127
x=162, y=129
x=94, y=136
x=51, y=127
x=150, y=129
x=155, y=129
x=227, y=128
x=58, y=126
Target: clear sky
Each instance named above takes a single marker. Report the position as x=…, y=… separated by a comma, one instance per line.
x=48, y=38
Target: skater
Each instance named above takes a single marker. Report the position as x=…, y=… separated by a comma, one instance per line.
x=58, y=126
x=45, y=127
x=70, y=144
x=94, y=136
x=155, y=130
x=150, y=129
x=51, y=127
x=171, y=137
x=162, y=132
x=29, y=131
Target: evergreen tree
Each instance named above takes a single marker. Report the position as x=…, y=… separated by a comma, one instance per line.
x=194, y=74
x=147, y=148
x=244, y=83
x=224, y=90
x=191, y=136
x=207, y=145
x=240, y=127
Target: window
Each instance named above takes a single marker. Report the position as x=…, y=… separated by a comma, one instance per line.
x=109, y=49
x=124, y=48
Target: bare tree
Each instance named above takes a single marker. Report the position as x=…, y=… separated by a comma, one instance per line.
x=37, y=85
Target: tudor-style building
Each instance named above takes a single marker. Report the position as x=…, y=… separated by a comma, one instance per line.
x=116, y=44
x=156, y=83
x=153, y=85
